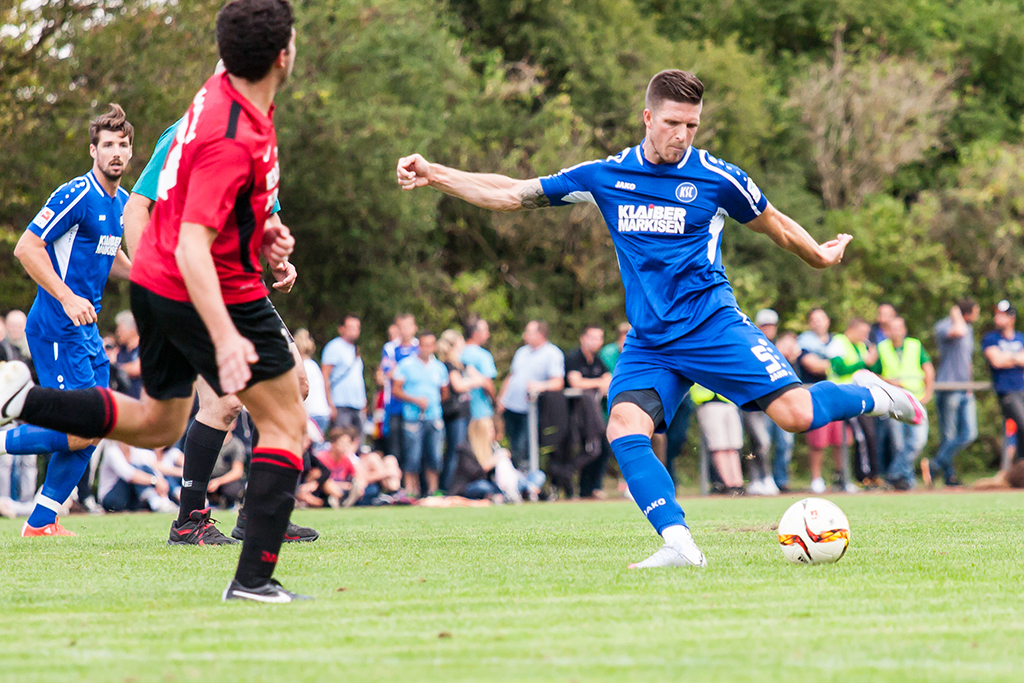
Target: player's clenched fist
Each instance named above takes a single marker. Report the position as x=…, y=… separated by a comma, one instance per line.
x=413, y=172
x=79, y=310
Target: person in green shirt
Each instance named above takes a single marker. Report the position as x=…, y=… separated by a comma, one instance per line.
x=903, y=361
x=609, y=353
x=848, y=353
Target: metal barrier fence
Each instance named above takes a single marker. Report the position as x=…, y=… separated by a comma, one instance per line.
x=533, y=426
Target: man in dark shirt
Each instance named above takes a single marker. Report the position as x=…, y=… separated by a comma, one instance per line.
x=585, y=370
x=1004, y=351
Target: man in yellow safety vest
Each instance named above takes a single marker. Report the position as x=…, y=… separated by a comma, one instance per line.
x=848, y=353
x=903, y=361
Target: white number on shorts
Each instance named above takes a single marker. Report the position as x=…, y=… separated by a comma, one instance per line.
x=765, y=355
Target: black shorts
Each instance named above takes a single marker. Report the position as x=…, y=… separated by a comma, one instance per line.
x=175, y=346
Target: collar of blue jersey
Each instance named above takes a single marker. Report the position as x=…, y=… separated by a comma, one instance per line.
x=660, y=168
x=95, y=183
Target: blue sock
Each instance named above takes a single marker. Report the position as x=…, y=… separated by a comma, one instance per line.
x=648, y=481
x=833, y=402
x=32, y=440
x=62, y=475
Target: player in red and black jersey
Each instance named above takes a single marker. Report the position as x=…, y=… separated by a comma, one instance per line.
x=198, y=295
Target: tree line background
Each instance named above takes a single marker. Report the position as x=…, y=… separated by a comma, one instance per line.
x=900, y=123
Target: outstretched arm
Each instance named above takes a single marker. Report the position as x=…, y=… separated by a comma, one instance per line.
x=486, y=190
x=789, y=235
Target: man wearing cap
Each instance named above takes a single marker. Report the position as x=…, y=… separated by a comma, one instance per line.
x=1004, y=351
x=958, y=415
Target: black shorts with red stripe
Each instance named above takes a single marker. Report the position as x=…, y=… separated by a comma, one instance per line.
x=175, y=346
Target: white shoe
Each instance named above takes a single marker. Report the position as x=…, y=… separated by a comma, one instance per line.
x=851, y=487
x=904, y=405
x=818, y=485
x=770, y=489
x=756, y=488
x=15, y=381
x=680, y=551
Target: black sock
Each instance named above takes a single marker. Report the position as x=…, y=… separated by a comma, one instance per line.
x=89, y=413
x=269, y=500
x=202, y=448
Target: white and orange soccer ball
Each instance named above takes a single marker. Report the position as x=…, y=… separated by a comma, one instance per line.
x=814, y=531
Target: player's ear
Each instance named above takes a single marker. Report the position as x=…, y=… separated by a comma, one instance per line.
x=92, y=151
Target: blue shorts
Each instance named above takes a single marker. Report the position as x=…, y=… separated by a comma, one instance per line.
x=726, y=354
x=71, y=364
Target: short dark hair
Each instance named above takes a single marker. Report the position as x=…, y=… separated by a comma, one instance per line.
x=251, y=34
x=673, y=85
x=967, y=305
x=588, y=328
x=115, y=121
x=470, y=328
x=425, y=333
x=348, y=316
x=338, y=432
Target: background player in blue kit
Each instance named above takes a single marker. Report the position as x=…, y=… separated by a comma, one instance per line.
x=70, y=249
x=665, y=204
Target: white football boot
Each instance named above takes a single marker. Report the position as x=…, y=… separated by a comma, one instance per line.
x=903, y=405
x=680, y=551
x=15, y=381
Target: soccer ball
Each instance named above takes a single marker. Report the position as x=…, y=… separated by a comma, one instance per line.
x=814, y=531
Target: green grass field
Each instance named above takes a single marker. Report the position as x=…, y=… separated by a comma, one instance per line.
x=930, y=590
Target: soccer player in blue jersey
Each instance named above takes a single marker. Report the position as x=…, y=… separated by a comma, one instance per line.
x=70, y=249
x=665, y=203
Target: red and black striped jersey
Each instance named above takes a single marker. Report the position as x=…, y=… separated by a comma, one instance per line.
x=221, y=172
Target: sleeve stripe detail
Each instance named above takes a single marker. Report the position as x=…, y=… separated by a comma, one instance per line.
x=639, y=155
x=59, y=216
x=743, y=191
x=579, y=196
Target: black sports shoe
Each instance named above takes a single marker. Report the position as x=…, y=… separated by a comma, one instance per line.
x=293, y=534
x=271, y=591
x=198, y=530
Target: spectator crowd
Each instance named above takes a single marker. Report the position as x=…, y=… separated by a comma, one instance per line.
x=433, y=428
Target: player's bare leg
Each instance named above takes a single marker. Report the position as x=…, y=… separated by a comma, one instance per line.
x=203, y=442
x=629, y=431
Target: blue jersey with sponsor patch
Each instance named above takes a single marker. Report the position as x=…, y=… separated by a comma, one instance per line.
x=666, y=223
x=81, y=225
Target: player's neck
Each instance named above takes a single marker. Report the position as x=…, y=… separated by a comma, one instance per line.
x=651, y=154
x=261, y=93
x=109, y=186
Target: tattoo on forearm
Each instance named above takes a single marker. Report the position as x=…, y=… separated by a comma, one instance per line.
x=533, y=197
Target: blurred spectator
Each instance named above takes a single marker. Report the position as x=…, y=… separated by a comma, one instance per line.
x=119, y=380
x=755, y=423
x=782, y=441
x=609, y=353
x=129, y=480
x=227, y=481
x=584, y=370
x=455, y=407
x=400, y=347
x=481, y=398
x=494, y=475
x=317, y=403
x=849, y=352
x=903, y=361
x=14, y=343
x=4, y=344
x=958, y=414
x=880, y=328
x=1004, y=351
x=365, y=479
x=421, y=382
x=676, y=433
x=538, y=366
x=342, y=374
x=127, y=357
x=719, y=420
x=813, y=366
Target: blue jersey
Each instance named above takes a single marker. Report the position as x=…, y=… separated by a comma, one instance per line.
x=666, y=223
x=81, y=225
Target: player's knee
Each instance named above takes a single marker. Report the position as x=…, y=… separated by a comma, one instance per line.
x=221, y=412
x=795, y=418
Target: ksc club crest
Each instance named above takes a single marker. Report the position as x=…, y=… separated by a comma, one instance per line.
x=686, y=193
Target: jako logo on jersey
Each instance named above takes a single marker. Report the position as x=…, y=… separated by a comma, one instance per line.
x=651, y=218
x=108, y=245
x=686, y=192
x=623, y=185
x=650, y=508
